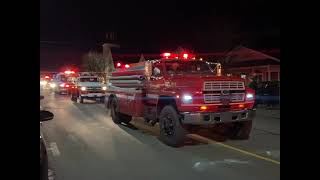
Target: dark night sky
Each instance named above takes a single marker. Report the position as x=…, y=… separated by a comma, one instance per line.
x=151, y=26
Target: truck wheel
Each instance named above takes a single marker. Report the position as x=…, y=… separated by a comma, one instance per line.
x=241, y=130
x=73, y=97
x=115, y=115
x=80, y=99
x=171, y=131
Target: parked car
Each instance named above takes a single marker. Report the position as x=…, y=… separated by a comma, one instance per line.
x=268, y=93
x=44, y=116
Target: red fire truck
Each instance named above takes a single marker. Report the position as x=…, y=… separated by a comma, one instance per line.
x=182, y=94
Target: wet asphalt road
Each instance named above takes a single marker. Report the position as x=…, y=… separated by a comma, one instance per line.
x=84, y=144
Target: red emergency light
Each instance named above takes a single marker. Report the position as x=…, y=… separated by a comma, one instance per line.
x=69, y=72
x=168, y=55
x=62, y=85
x=47, y=77
x=118, y=64
x=127, y=66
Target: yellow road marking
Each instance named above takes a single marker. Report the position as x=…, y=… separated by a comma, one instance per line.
x=205, y=140
x=210, y=141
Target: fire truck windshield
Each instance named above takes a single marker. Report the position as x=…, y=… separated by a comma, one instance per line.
x=89, y=79
x=188, y=67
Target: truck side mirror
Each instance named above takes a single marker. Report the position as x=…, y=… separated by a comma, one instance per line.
x=46, y=115
x=156, y=72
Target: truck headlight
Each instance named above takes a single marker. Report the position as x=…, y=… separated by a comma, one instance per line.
x=52, y=85
x=43, y=83
x=83, y=88
x=187, y=99
x=249, y=96
x=104, y=88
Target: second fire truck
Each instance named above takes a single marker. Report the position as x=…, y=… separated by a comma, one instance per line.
x=88, y=86
x=181, y=94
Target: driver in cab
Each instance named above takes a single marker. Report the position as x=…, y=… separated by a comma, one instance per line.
x=173, y=69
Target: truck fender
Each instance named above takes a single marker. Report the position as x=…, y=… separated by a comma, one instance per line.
x=163, y=101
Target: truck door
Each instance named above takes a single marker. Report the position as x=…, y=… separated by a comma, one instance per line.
x=156, y=83
x=154, y=87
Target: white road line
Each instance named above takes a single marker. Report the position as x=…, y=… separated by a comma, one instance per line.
x=51, y=175
x=54, y=149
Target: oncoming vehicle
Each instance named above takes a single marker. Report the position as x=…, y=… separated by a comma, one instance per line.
x=88, y=87
x=63, y=82
x=182, y=95
x=44, y=81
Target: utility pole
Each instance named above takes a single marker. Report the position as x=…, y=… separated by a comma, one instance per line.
x=107, y=54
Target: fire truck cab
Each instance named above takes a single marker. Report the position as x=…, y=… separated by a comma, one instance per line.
x=182, y=94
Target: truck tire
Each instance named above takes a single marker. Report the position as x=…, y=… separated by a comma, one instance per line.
x=73, y=97
x=171, y=131
x=80, y=99
x=115, y=115
x=241, y=130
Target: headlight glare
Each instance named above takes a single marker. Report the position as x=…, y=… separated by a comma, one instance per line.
x=187, y=99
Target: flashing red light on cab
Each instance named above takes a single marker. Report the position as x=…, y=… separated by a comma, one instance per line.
x=69, y=72
x=168, y=55
x=118, y=64
x=47, y=77
x=127, y=66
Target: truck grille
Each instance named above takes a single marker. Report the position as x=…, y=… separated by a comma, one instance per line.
x=211, y=98
x=94, y=88
x=216, y=98
x=223, y=85
x=95, y=91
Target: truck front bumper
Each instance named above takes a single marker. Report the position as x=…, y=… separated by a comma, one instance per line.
x=207, y=118
x=92, y=95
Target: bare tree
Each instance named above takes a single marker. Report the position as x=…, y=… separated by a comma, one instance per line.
x=142, y=59
x=95, y=62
